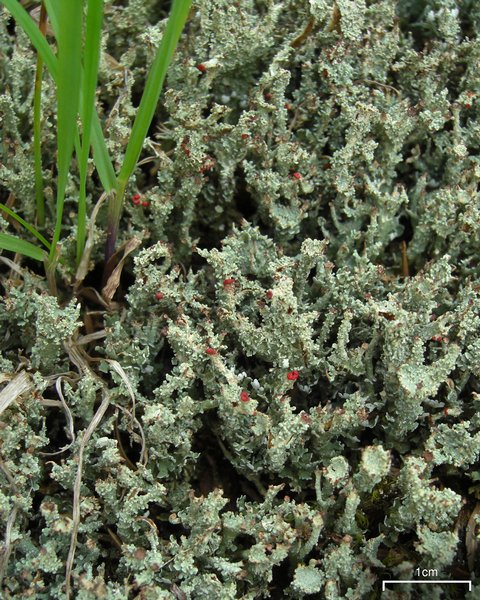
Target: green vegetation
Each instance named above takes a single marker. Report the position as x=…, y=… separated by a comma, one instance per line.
x=75, y=72
x=272, y=388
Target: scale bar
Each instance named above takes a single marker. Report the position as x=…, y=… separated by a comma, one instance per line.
x=464, y=581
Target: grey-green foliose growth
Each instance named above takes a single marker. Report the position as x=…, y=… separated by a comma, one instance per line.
x=284, y=400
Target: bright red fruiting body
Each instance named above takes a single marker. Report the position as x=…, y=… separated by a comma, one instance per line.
x=184, y=147
x=208, y=165
x=202, y=68
x=159, y=296
x=269, y=294
x=244, y=397
x=244, y=136
x=229, y=281
x=296, y=175
x=292, y=375
x=145, y=203
x=439, y=338
x=211, y=351
x=136, y=198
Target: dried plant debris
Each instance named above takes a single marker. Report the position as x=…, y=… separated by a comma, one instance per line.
x=278, y=396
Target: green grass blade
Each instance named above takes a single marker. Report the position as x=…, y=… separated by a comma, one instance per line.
x=151, y=94
x=37, y=116
x=37, y=147
x=28, y=227
x=52, y=9
x=153, y=87
x=70, y=21
x=28, y=25
x=14, y=244
x=101, y=157
x=93, y=33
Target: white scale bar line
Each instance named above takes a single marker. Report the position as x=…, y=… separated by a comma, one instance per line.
x=466, y=581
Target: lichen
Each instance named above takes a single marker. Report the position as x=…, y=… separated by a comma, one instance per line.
x=291, y=361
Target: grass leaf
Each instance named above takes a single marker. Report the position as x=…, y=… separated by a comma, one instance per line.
x=153, y=86
x=70, y=20
x=93, y=35
x=37, y=122
x=101, y=157
x=29, y=27
x=28, y=227
x=14, y=244
x=148, y=104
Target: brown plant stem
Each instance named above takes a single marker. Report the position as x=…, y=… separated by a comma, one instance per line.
x=114, y=213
